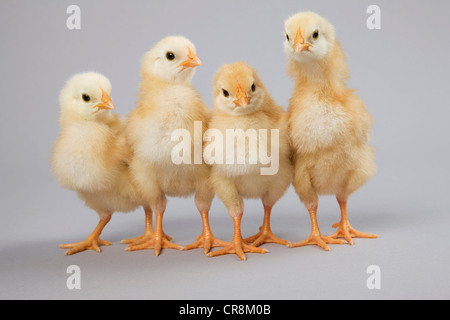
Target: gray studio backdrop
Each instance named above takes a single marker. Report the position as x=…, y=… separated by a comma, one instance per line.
x=400, y=71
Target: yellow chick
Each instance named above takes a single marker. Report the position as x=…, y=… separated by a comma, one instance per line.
x=329, y=125
x=168, y=103
x=242, y=104
x=90, y=155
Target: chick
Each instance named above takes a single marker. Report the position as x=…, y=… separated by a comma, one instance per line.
x=167, y=102
x=242, y=104
x=90, y=155
x=329, y=125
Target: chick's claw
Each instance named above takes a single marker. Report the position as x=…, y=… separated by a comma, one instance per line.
x=346, y=231
x=156, y=243
x=265, y=236
x=207, y=242
x=238, y=247
x=317, y=239
x=143, y=238
x=88, y=244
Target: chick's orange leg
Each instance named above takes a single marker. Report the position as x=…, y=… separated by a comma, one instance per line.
x=92, y=242
x=206, y=240
x=265, y=235
x=148, y=233
x=237, y=246
x=316, y=238
x=345, y=230
x=157, y=242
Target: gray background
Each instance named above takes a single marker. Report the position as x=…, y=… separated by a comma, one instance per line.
x=401, y=72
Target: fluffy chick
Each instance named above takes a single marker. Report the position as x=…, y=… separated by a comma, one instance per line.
x=242, y=103
x=329, y=125
x=168, y=102
x=90, y=155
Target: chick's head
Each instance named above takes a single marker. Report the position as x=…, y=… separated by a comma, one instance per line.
x=308, y=37
x=172, y=59
x=238, y=89
x=86, y=96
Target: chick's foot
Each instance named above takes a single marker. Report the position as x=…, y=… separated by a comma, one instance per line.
x=148, y=233
x=155, y=242
x=265, y=236
x=147, y=236
x=237, y=246
x=91, y=243
x=346, y=231
x=316, y=239
x=206, y=240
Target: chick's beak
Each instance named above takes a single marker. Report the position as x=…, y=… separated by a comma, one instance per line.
x=191, y=62
x=299, y=42
x=241, y=97
x=106, y=102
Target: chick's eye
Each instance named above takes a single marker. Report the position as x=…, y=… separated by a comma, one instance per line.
x=170, y=55
x=287, y=37
x=315, y=35
x=86, y=97
x=253, y=87
x=225, y=93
